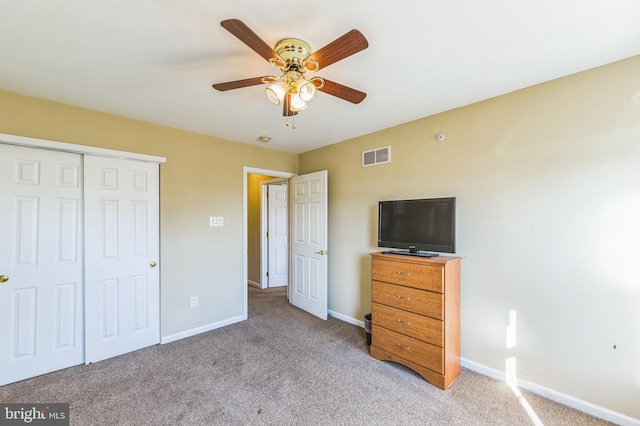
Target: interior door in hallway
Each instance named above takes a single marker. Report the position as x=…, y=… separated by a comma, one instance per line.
x=122, y=253
x=41, y=289
x=309, y=243
x=278, y=239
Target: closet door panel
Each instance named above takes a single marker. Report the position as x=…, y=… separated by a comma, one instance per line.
x=122, y=251
x=40, y=257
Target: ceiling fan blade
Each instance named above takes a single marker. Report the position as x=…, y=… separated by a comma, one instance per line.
x=342, y=47
x=238, y=84
x=286, y=106
x=248, y=37
x=342, y=92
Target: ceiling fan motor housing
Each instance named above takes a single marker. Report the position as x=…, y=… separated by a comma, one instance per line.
x=294, y=52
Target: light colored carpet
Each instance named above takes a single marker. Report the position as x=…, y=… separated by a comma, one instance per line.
x=280, y=367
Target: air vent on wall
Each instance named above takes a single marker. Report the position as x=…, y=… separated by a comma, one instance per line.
x=376, y=156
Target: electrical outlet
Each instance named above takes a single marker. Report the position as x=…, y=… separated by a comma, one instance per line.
x=194, y=301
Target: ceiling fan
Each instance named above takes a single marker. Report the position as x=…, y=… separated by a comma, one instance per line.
x=294, y=58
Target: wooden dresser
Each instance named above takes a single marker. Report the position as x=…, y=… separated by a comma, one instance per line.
x=415, y=314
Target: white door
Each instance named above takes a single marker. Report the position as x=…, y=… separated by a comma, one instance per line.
x=309, y=243
x=278, y=235
x=41, y=290
x=121, y=254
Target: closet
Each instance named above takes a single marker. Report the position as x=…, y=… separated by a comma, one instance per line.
x=79, y=254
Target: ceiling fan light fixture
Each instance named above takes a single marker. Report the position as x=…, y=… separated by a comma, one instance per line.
x=276, y=92
x=294, y=58
x=296, y=103
x=306, y=89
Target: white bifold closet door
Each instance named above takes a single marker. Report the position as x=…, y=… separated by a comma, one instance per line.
x=122, y=311
x=79, y=254
x=41, y=258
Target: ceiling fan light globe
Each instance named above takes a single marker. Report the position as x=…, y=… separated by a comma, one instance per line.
x=272, y=96
x=276, y=92
x=296, y=103
x=306, y=90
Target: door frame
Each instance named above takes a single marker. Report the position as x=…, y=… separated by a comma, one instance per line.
x=245, y=240
x=264, y=225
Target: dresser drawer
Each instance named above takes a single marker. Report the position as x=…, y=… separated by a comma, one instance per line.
x=413, y=325
x=410, y=299
x=414, y=350
x=426, y=277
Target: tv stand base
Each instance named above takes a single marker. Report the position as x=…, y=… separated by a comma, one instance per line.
x=409, y=253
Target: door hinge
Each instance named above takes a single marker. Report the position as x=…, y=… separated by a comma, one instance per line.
x=267, y=234
x=267, y=274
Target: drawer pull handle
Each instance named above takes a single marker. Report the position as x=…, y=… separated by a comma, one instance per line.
x=406, y=274
x=403, y=298
x=406, y=348
x=403, y=322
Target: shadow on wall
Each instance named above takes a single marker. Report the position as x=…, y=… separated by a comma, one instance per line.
x=365, y=285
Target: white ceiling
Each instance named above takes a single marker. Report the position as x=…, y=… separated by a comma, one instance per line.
x=155, y=60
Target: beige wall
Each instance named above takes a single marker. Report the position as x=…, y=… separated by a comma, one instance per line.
x=547, y=181
x=203, y=177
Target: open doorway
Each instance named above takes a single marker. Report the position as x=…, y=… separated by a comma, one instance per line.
x=255, y=211
x=267, y=231
x=307, y=287
x=256, y=229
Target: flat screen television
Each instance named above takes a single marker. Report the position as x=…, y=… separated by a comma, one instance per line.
x=419, y=226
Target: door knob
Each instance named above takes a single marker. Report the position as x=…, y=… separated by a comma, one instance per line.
x=322, y=252
x=4, y=278
x=153, y=264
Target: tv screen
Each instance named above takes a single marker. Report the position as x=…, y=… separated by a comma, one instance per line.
x=418, y=225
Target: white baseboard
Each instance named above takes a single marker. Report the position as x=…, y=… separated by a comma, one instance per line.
x=559, y=397
x=198, y=330
x=254, y=284
x=346, y=318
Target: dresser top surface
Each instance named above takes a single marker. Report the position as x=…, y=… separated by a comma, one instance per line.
x=440, y=260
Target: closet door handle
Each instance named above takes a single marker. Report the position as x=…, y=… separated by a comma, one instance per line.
x=153, y=264
x=4, y=278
